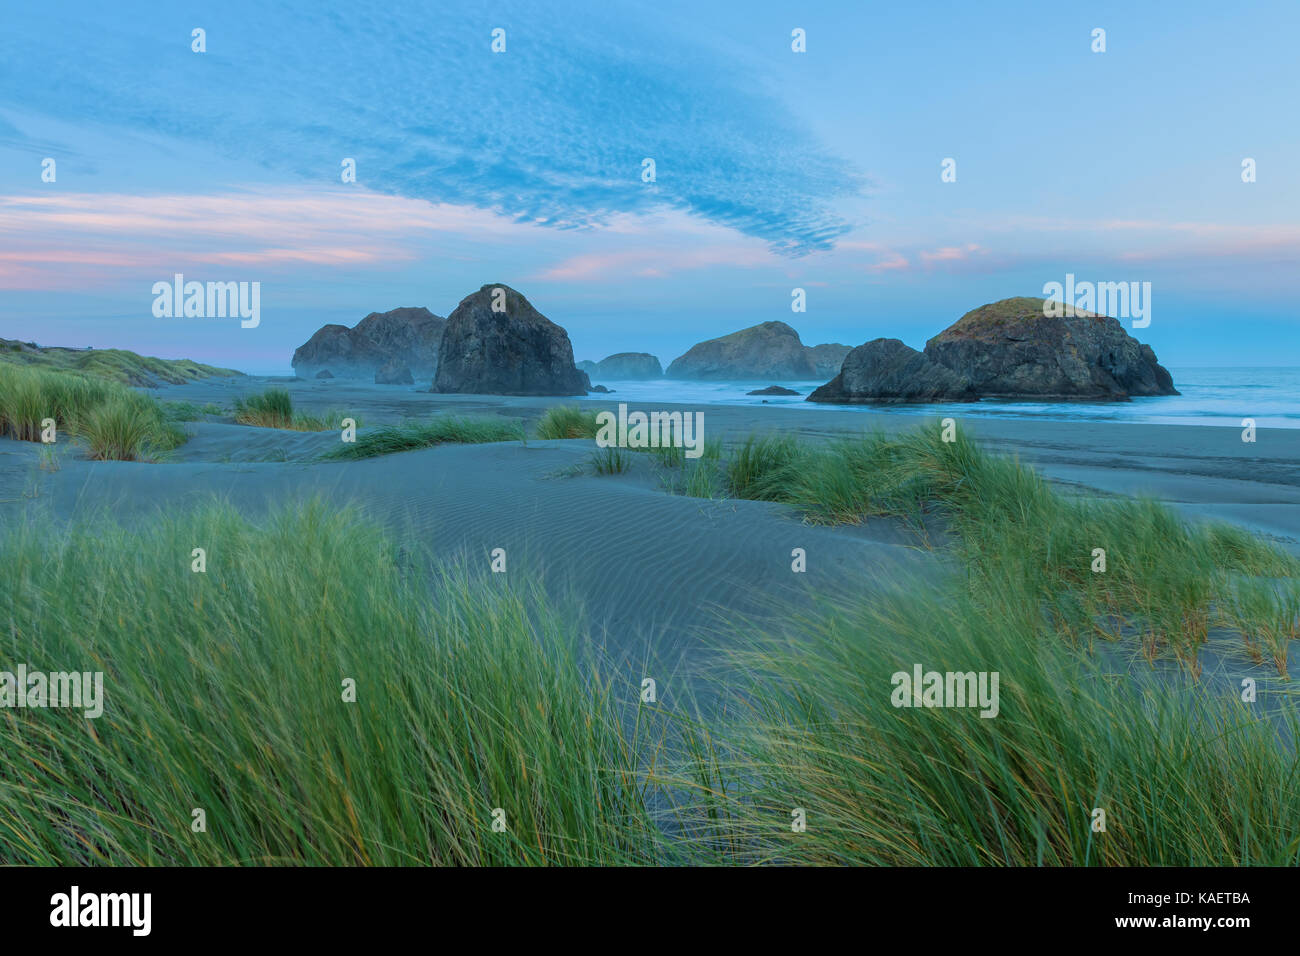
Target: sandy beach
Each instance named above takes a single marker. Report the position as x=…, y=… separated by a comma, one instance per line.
x=652, y=571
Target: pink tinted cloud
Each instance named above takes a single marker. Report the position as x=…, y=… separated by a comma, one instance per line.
x=78, y=240
x=657, y=262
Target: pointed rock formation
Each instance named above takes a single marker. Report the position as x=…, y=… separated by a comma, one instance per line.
x=496, y=343
x=408, y=335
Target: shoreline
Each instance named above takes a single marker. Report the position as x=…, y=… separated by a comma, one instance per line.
x=1206, y=471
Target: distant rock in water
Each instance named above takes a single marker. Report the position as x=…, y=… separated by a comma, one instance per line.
x=773, y=390
x=767, y=351
x=514, y=350
x=887, y=371
x=410, y=336
x=395, y=372
x=601, y=389
x=828, y=358
x=635, y=366
x=1007, y=349
x=324, y=373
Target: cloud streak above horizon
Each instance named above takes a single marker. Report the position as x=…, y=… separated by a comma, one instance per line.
x=552, y=131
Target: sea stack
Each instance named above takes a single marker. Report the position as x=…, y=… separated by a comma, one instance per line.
x=408, y=336
x=1012, y=349
x=496, y=343
x=636, y=366
x=770, y=350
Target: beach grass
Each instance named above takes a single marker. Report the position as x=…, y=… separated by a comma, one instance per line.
x=114, y=365
x=1095, y=566
x=226, y=692
x=230, y=692
x=439, y=430
x=127, y=428
x=759, y=468
x=567, y=421
x=182, y=411
x=610, y=461
x=273, y=408
x=1174, y=773
x=668, y=456
x=114, y=421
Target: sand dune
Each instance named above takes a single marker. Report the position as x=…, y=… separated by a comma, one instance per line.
x=649, y=568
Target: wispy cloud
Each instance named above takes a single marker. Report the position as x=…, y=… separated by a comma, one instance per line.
x=554, y=130
x=76, y=240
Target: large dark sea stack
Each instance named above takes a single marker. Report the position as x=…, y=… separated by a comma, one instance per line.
x=768, y=351
x=1010, y=349
x=887, y=371
x=514, y=350
x=407, y=336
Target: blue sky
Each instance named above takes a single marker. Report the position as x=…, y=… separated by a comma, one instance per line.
x=774, y=169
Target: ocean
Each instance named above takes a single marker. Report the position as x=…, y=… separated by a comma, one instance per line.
x=1210, y=396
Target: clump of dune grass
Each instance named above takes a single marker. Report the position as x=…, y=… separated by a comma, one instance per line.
x=610, y=461
x=127, y=428
x=760, y=469
x=439, y=430
x=567, y=421
x=704, y=479
x=115, y=422
x=28, y=396
x=1185, y=776
x=1163, y=578
x=325, y=696
x=1267, y=614
x=273, y=408
x=668, y=456
x=674, y=456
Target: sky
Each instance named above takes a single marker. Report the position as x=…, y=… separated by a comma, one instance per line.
x=774, y=170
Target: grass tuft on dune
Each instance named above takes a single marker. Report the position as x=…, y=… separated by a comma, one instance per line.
x=273, y=408
x=567, y=421
x=113, y=420
x=442, y=429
